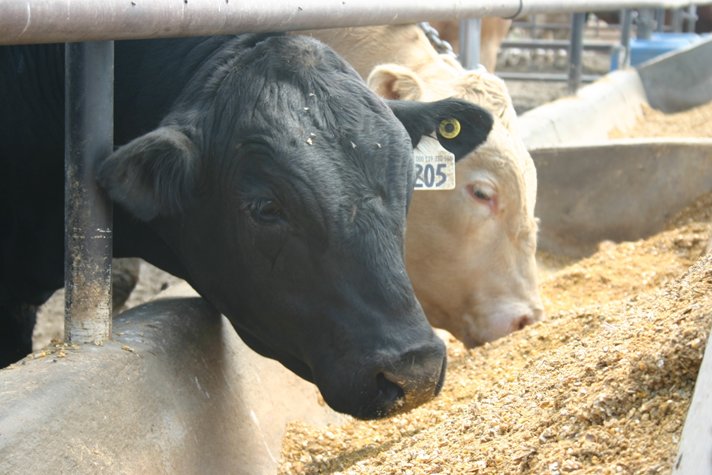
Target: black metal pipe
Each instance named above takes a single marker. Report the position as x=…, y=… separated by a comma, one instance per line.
x=578, y=21
x=89, y=124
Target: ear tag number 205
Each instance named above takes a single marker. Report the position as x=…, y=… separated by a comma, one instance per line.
x=434, y=166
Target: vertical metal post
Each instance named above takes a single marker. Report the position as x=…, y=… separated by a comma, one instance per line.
x=470, y=42
x=660, y=20
x=626, y=22
x=691, y=19
x=646, y=24
x=578, y=21
x=676, y=20
x=89, y=125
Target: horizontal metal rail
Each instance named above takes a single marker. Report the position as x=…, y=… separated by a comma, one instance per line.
x=558, y=26
x=558, y=44
x=548, y=77
x=40, y=21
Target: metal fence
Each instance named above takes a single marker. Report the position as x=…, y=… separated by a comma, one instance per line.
x=640, y=23
x=37, y=21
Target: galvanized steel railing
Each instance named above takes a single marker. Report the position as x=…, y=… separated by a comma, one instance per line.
x=39, y=21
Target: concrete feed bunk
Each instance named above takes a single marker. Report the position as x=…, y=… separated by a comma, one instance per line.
x=177, y=392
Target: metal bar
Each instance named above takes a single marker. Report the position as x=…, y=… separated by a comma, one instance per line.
x=556, y=44
x=540, y=26
x=470, y=42
x=646, y=24
x=626, y=24
x=558, y=26
x=38, y=21
x=676, y=20
x=659, y=20
x=691, y=19
x=578, y=21
x=548, y=77
x=89, y=124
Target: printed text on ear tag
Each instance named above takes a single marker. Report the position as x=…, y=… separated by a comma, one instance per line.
x=434, y=166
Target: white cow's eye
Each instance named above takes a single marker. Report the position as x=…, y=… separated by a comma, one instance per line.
x=484, y=194
x=477, y=193
x=481, y=192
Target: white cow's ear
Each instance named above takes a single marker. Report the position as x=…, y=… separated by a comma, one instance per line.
x=393, y=81
x=152, y=175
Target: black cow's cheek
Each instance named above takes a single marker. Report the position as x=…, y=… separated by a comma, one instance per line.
x=270, y=244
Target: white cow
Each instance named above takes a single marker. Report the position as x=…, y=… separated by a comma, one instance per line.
x=470, y=252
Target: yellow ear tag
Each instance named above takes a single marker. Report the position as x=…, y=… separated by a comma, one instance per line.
x=449, y=128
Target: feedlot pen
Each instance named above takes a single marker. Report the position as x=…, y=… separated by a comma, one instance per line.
x=602, y=385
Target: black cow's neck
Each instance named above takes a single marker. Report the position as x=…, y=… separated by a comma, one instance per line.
x=171, y=63
x=134, y=238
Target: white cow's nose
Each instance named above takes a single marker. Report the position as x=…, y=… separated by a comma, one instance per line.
x=527, y=319
x=522, y=322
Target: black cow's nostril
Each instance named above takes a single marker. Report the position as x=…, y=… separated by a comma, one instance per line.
x=441, y=379
x=390, y=391
x=399, y=383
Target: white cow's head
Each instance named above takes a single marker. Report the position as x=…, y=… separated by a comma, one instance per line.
x=471, y=251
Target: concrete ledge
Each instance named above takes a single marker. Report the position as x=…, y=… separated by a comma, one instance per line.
x=679, y=80
x=694, y=455
x=176, y=392
x=614, y=101
x=619, y=190
x=671, y=83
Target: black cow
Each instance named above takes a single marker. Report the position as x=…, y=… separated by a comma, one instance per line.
x=260, y=169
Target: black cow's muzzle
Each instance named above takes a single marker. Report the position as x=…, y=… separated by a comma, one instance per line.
x=387, y=385
x=413, y=383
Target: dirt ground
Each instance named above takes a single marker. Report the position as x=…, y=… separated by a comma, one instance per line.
x=602, y=385
x=695, y=122
x=596, y=387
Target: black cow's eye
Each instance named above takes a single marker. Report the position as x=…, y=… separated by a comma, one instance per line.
x=267, y=211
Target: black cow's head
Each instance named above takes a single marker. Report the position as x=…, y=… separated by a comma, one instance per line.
x=281, y=183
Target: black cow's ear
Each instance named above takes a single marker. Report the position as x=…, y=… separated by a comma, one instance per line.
x=152, y=175
x=459, y=126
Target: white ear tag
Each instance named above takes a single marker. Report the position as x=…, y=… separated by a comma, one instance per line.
x=434, y=166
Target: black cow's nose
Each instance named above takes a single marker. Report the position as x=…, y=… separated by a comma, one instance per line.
x=389, y=391
x=381, y=380
x=413, y=378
